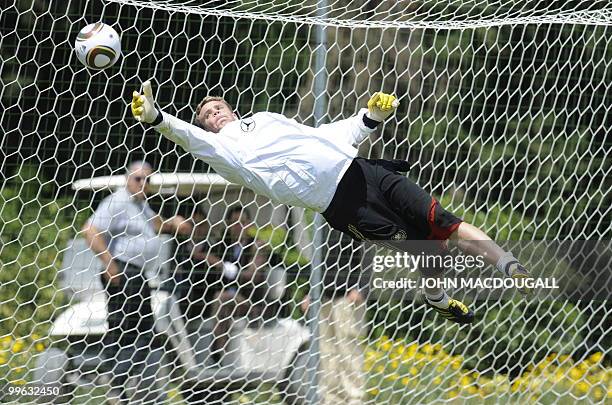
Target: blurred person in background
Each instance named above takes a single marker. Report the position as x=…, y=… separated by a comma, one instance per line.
x=199, y=271
x=123, y=232
x=239, y=249
x=342, y=325
x=237, y=241
x=208, y=266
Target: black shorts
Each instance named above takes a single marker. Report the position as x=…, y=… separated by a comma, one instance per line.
x=375, y=202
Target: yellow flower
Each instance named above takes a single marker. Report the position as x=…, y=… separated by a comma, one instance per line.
x=453, y=394
x=374, y=391
x=465, y=380
x=40, y=347
x=405, y=381
x=412, y=349
x=472, y=390
x=598, y=392
x=413, y=370
x=394, y=364
x=595, y=357
x=19, y=382
x=380, y=369
x=594, y=378
x=456, y=364
x=575, y=373
x=583, y=386
x=17, y=346
x=437, y=380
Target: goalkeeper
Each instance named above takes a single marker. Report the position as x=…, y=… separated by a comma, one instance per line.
x=318, y=168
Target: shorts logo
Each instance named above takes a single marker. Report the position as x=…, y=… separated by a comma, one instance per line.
x=401, y=235
x=247, y=125
x=357, y=235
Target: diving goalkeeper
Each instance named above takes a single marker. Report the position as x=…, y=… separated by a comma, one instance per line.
x=318, y=168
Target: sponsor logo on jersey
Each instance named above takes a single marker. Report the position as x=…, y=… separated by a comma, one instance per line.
x=247, y=125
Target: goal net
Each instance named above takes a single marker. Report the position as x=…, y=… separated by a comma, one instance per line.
x=504, y=118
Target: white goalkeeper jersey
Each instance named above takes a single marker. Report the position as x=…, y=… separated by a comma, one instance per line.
x=276, y=156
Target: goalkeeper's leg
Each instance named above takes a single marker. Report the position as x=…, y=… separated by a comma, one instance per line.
x=361, y=210
x=473, y=241
x=374, y=202
x=428, y=220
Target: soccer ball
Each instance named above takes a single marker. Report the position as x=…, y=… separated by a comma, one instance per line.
x=98, y=46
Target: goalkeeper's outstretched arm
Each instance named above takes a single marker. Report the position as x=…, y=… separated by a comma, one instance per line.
x=355, y=129
x=218, y=151
x=224, y=154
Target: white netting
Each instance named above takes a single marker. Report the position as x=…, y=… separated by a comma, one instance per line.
x=395, y=14
x=505, y=114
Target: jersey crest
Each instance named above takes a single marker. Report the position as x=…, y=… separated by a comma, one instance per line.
x=247, y=125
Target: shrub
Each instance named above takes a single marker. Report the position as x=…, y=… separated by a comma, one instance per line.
x=34, y=228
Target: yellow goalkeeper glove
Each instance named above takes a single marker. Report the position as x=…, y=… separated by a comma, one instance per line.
x=143, y=105
x=381, y=106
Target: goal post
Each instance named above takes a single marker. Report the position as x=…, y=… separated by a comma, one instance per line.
x=504, y=117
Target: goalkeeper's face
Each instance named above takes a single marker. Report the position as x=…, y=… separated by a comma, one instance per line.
x=214, y=115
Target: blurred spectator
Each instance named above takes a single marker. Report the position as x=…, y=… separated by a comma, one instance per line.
x=199, y=279
x=210, y=274
x=262, y=283
x=238, y=243
x=341, y=324
x=238, y=248
x=124, y=234
x=199, y=271
x=254, y=296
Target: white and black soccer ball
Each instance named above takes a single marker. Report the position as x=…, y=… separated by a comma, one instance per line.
x=98, y=46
